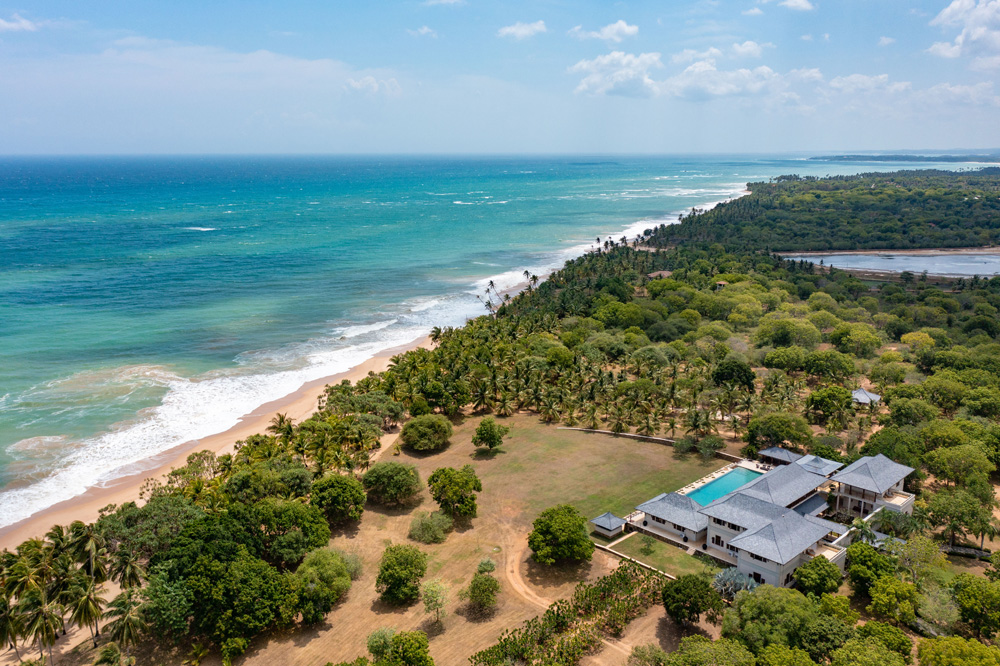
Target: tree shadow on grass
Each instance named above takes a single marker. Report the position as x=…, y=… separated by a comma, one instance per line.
x=556, y=575
x=487, y=454
x=669, y=633
x=380, y=607
x=477, y=615
x=432, y=627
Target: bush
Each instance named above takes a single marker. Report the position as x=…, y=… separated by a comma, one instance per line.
x=341, y=498
x=482, y=592
x=430, y=527
x=428, y=432
x=818, y=576
x=560, y=534
x=399, y=574
x=455, y=490
x=323, y=579
x=380, y=642
x=890, y=636
x=486, y=565
x=391, y=482
x=688, y=597
x=352, y=561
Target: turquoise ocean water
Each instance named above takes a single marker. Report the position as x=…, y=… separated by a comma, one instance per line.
x=147, y=302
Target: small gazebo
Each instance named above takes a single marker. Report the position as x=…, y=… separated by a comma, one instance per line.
x=608, y=525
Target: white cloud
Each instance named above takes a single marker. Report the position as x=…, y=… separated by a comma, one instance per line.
x=976, y=94
x=806, y=38
x=370, y=84
x=431, y=3
x=614, y=32
x=17, y=23
x=423, y=31
x=619, y=73
x=755, y=11
x=886, y=41
x=703, y=79
x=750, y=49
x=863, y=83
x=979, y=21
x=522, y=30
x=690, y=55
x=797, y=5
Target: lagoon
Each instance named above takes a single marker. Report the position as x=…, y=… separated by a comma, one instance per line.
x=957, y=263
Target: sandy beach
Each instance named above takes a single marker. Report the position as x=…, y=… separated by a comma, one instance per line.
x=298, y=405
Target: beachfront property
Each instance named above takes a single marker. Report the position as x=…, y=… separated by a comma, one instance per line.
x=764, y=517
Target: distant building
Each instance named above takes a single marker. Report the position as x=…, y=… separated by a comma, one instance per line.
x=656, y=275
x=863, y=397
x=608, y=525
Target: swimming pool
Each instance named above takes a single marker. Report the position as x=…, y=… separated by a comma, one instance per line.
x=723, y=485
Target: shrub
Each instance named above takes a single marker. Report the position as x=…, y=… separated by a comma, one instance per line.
x=323, y=579
x=428, y=432
x=341, y=498
x=399, y=574
x=455, y=490
x=482, y=592
x=486, y=565
x=688, y=597
x=391, y=482
x=818, y=576
x=380, y=642
x=890, y=636
x=430, y=527
x=489, y=434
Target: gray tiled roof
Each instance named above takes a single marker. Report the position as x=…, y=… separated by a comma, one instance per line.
x=778, y=453
x=812, y=506
x=877, y=474
x=818, y=465
x=784, y=538
x=608, y=521
x=783, y=485
x=865, y=397
x=676, y=508
x=744, y=510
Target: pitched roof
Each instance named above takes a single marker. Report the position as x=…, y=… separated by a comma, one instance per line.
x=660, y=274
x=747, y=511
x=783, y=485
x=676, y=508
x=818, y=465
x=877, y=473
x=865, y=397
x=608, y=521
x=778, y=453
x=784, y=538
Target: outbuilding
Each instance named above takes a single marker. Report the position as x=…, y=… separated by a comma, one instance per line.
x=608, y=525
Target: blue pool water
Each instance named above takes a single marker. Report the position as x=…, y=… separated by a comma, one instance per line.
x=723, y=485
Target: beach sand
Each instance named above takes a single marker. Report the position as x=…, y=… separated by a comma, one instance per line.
x=298, y=406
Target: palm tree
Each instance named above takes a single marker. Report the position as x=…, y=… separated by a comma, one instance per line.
x=111, y=655
x=127, y=623
x=10, y=625
x=865, y=531
x=86, y=543
x=283, y=428
x=86, y=608
x=42, y=619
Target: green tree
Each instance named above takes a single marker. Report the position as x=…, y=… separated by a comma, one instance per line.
x=435, y=596
x=829, y=364
x=956, y=651
x=322, y=580
x=978, y=602
x=127, y=623
x=380, y=642
x=409, y=648
x=769, y=615
x=782, y=655
x=734, y=370
x=861, y=340
x=430, y=527
x=865, y=652
x=919, y=556
x=85, y=611
x=482, y=592
x=959, y=463
x=701, y=651
x=489, y=434
x=890, y=636
x=893, y=599
x=560, y=534
x=955, y=510
x=391, y=482
x=865, y=565
x=690, y=596
x=399, y=574
x=777, y=429
x=455, y=490
x=830, y=405
x=818, y=576
x=341, y=498
x=429, y=432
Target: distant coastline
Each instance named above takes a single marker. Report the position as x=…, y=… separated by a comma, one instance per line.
x=909, y=157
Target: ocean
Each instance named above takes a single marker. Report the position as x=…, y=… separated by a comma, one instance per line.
x=147, y=302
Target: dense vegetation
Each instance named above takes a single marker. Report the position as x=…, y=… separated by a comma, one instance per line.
x=900, y=210
x=734, y=344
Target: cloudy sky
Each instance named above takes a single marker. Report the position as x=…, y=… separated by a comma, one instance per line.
x=471, y=76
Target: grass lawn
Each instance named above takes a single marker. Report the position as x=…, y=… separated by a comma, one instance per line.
x=594, y=472
x=665, y=557
x=958, y=565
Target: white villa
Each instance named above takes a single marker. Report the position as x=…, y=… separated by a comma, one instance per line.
x=769, y=525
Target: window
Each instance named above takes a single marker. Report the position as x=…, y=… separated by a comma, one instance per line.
x=658, y=520
x=759, y=558
x=678, y=527
x=789, y=578
x=717, y=540
x=757, y=578
x=718, y=522
x=733, y=549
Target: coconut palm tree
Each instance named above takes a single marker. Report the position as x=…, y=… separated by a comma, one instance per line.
x=127, y=570
x=111, y=655
x=42, y=619
x=283, y=428
x=127, y=623
x=85, y=610
x=10, y=625
x=86, y=544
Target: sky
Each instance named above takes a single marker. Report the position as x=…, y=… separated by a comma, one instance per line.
x=471, y=76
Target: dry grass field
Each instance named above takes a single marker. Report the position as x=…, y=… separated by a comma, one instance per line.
x=539, y=466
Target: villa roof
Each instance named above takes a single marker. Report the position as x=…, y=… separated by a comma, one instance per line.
x=675, y=508
x=818, y=465
x=660, y=274
x=778, y=453
x=784, y=538
x=865, y=397
x=877, y=474
x=783, y=485
x=608, y=521
x=745, y=510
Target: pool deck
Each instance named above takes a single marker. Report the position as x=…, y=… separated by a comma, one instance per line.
x=751, y=465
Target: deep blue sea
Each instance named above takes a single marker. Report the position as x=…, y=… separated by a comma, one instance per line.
x=146, y=302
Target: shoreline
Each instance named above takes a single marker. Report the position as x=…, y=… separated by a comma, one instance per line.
x=298, y=405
